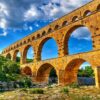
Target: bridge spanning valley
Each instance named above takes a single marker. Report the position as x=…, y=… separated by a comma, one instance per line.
x=66, y=65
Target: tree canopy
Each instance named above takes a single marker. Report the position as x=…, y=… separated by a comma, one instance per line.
x=87, y=72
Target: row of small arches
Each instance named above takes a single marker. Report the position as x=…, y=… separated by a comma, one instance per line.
x=75, y=18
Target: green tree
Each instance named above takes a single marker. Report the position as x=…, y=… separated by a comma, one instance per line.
x=87, y=72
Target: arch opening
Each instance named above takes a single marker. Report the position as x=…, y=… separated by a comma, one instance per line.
x=75, y=18
x=8, y=56
x=57, y=27
x=28, y=54
x=87, y=13
x=43, y=33
x=27, y=71
x=79, y=71
x=33, y=38
x=47, y=73
x=78, y=40
x=64, y=23
x=48, y=49
x=17, y=56
x=38, y=35
x=49, y=30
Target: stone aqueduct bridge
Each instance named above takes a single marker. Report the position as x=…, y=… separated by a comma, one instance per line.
x=66, y=66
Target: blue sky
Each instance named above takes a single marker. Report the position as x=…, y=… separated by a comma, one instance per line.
x=19, y=18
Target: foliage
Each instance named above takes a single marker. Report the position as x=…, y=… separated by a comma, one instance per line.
x=10, y=71
x=24, y=89
x=87, y=72
x=25, y=82
x=37, y=91
x=74, y=85
x=18, y=59
x=65, y=90
x=29, y=60
x=78, y=97
x=11, y=67
x=49, y=86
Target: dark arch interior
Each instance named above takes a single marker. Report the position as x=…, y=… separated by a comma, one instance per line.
x=77, y=72
x=47, y=73
x=56, y=27
x=64, y=23
x=49, y=30
x=43, y=33
x=38, y=35
x=53, y=76
x=27, y=71
x=98, y=7
x=48, y=49
x=87, y=13
x=78, y=40
x=75, y=18
x=8, y=56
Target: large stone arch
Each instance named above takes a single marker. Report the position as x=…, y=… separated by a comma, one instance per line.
x=24, y=57
x=68, y=34
x=15, y=54
x=27, y=71
x=8, y=56
x=40, y=46
x=43, y=72
x=71, y=70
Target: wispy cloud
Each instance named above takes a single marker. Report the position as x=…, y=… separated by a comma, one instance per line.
x=4, y=33
x=14, y=12
x=82, y=33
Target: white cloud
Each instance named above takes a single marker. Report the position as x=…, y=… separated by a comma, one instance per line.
x=57, y=8
x=3, y=9
x=36, y=24
x=30, y=28
x=3, y=16
x=25, y=27
x=83, y=66
x=4, y=33
x=32, y=13
x=82, y=33
x=14, y=12
x=3, y=23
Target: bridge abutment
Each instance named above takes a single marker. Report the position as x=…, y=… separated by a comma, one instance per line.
x=97, y=76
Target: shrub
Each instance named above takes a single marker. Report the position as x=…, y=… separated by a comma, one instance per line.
x=74, y=85
x=37, y=91
x=75, y=97
x=65, y=90
x=49, y=86
x=24, y=89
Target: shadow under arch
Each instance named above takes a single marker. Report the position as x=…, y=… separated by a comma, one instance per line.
x=68, y=35
x=27, y=71
x=71, y=70
x=43, y=73
x=98, y=8
x=40, y=47
x=8, y=56
x=24, y=58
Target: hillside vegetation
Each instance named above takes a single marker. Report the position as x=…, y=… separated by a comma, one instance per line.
x=10, y=71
